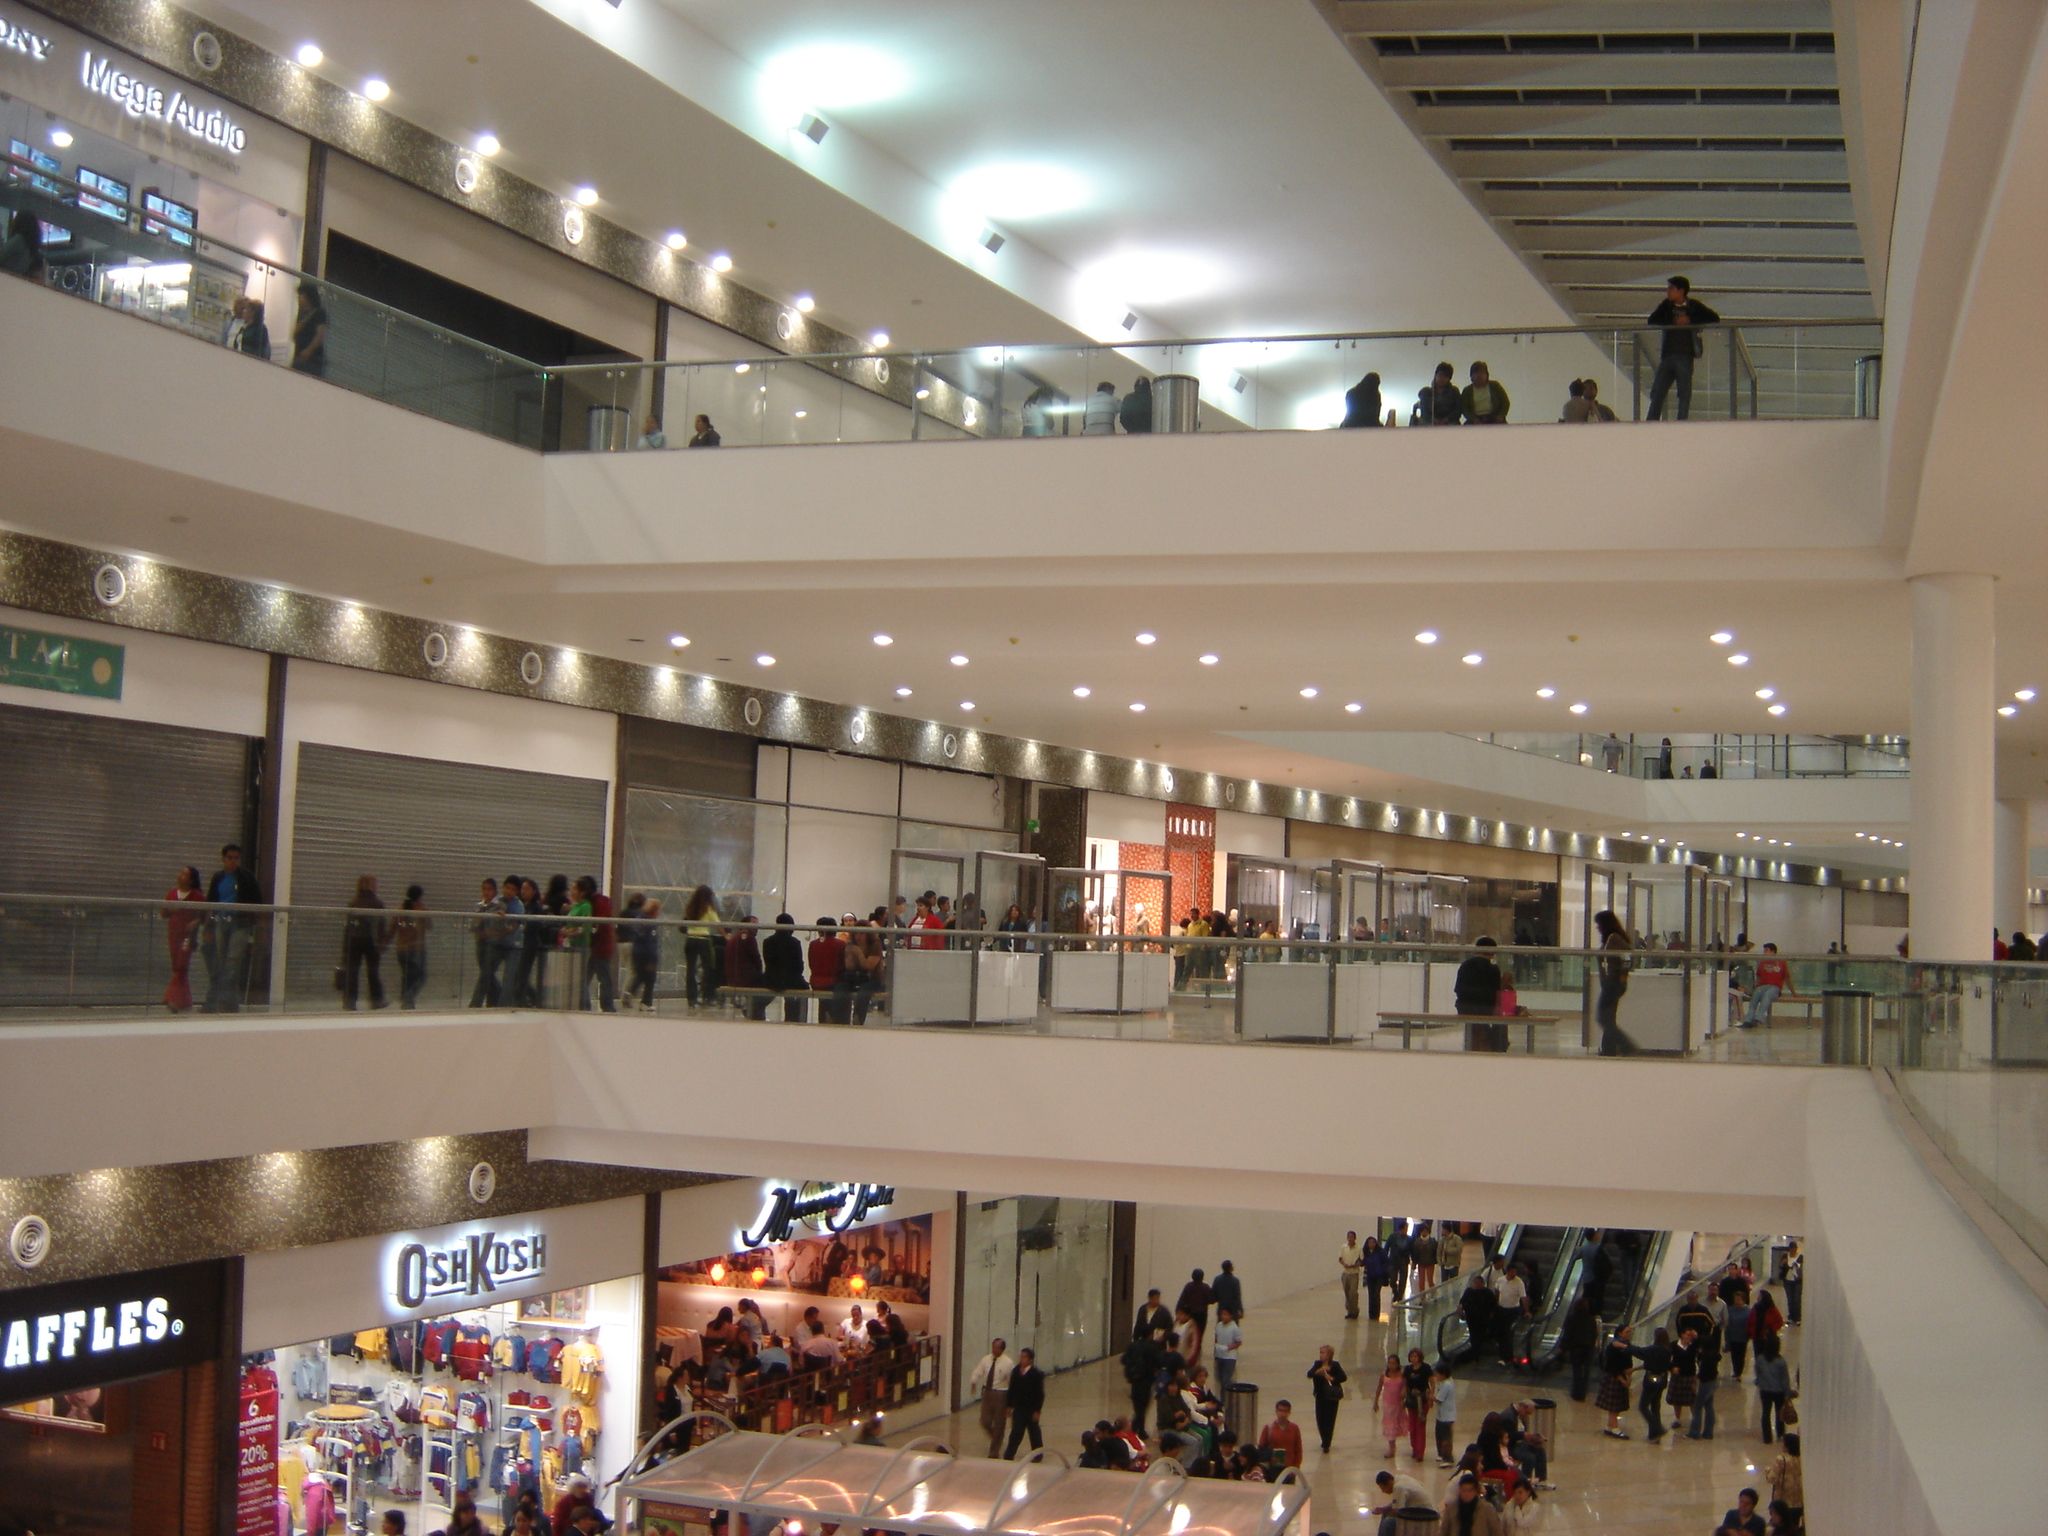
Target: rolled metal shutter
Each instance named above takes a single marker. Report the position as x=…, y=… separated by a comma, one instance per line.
x=100, y=806
x=412, y=820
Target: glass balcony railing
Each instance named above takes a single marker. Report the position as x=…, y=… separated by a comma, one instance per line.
x=1718, y=756
x=141, y=261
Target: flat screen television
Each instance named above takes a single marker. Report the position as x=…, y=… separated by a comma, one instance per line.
x=173, y=220
x=42, y=160
x=112, y=206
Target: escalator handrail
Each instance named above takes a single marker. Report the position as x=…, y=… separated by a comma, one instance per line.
x=1737, y=1253
x=1447, y=1293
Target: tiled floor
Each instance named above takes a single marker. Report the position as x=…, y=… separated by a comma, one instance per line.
x=1603, y=1485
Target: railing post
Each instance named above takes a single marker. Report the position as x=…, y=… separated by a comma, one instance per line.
x=1733, y=356
x=916, y=402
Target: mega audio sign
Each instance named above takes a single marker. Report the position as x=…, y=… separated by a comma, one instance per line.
x=462, y=1269
x=59, y=1337
x=821, y=1207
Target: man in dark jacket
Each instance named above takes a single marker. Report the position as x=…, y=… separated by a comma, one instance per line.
x=1441, y=405
x=230, y=939
x=1152, y=1317
x=1227, y=1291
x=1136, y=412
x=782, y=963
x=1027, y=1401
x=1195, y=1299
x=1477, y=994
x=1142, y=1357
x=1678, y=315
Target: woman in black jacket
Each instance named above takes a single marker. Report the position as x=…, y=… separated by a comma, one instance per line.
x=782, y=963
x=1581, y=1333
x=1656, y=1361
x=1327, y=1379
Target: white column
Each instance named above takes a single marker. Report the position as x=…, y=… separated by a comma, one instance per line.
x=2009, y=835
x=1950, y=862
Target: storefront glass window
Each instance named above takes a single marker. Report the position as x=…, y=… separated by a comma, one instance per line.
x=1036, y=1275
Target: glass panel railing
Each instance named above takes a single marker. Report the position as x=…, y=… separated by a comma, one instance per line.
x=82, y=242
x=1702, y=755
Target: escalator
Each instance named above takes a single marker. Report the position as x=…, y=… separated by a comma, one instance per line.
x=1539, y=1254
x=1615, y=1268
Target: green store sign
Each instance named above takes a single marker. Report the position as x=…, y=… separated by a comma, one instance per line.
x=32, y=658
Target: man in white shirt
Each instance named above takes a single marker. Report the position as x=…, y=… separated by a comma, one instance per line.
x=1513, y=1295
x=1398, y=1492
x=820, y=1350
x=1349, y=1262
x=1224, y=1344
x=991, y=1382
x=853, y=1329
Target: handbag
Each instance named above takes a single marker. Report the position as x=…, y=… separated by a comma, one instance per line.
x=1788, y=1415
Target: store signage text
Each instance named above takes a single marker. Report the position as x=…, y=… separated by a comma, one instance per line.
x=475, y=1265
x=822, y=1207
x=35, y=658
x=140, y=98
x=21, y=40
x=87, y=1331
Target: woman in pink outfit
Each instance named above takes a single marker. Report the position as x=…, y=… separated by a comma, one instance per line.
x=1393, y=1412
x=182, y=931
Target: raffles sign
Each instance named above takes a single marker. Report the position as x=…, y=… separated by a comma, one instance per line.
x=821, y=1207
x=464, y=1268
x=61, y=1337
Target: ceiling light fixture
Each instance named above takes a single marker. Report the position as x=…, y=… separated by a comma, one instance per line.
x=1767, y=693
x=1721, y=637
x=805, y=303
x=1738, y=660
x=1208, y=658
x=1309, y=693
x=1425, y=637
x=487, y=144
x=1137, y=709
x=959, y=660
x=800, y=415
x=61, y=137
x=2008, y=710
x=2025, y=695
x=586, y=197
x=742, y=367
x=1775, y=709
x=1580, y=709
x=310, y=56
x=885, y=639
x=1546, y=693
x=676, y=240
x=1146, y=637
x=813, y=127
x=902, y=693
x=678, y=641
x=879, y=340
x=1353, y=708
x=764, y=660
x=721, y=262
x=1741, y=835
x=1083, y=691
x=967, y=705
x=924, y=394
x=1472, y=658
x=375, y=89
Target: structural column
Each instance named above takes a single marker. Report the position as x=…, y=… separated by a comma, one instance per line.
x=1951, y=868
x=2009, y=837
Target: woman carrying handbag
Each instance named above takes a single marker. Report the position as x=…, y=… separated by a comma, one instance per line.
x=1327, y=1379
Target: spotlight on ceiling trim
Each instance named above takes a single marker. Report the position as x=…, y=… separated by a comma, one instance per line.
x=375, y=89
x=310, y=56
x=487, y=144
x=676, y=240
x=814, y=127
x=805, y=303
x=1130, y=320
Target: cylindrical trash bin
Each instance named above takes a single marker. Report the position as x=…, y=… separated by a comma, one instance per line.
x=1241, y=1412
x=1176, y=403
x=1869, y=377
x=611, y=428
x=1845, y=1027
x=1543, y=1421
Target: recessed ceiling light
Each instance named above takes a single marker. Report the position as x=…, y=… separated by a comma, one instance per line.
x=1472, y=658
x=376, y=90
x=1773, y=842
x=721, y=262
x=1137, y=709
x=742, y=367
x=2008, y=710
x=487, y=144
x=676, y=240
x=764, y=660
x=1426, y=637
x=1738, y=660
x=959, y=661
x=1309, y=693
x=1083, y=691
x=1353, y=708
x=678, y=641
x=61, y=137
x=879, y=340
x=967, y=705
x=1775, y=709
x=1580, y=709
x=924, y=394
x=1546, y=693
x=885, y=639
x=902, y=693
x=586, y=197
x=1767, y=693
x=1146, y=637
x=1740, y=835
x=805, y=303
x=1721, y=637
x=800, y=415
x=2025, y=695
x=310, y=55
x=1208, y=658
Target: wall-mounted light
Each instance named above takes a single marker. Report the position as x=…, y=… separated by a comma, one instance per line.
x=487, y=144
x=676, y=240
x=61, y=137
x=814, y=127
x=586, y=197
x=375, y=89
x=310, y=56
x=721, y=262
x=805, y=303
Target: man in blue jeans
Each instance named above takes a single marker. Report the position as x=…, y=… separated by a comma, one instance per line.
x=1678, y=317
x=1224, y=1344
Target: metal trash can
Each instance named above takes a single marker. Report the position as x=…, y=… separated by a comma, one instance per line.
x=1845, y=1014
x=1241, y=1412
x=1543, y=1421
x=1176, y=403
x=610, y=428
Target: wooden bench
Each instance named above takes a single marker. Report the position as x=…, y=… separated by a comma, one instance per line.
x=1409, y=1023
x=741, y=995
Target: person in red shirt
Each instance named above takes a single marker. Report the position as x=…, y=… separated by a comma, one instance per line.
x=931, y=928
x=1283, y=1434
x=824, y=954
x=1773, y=979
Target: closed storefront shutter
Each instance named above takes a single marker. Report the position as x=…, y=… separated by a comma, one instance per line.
x=411, y=820
x=105, y=807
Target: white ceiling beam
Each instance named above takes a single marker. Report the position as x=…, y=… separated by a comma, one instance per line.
x=1635, y=119
x=1709, y=165
x=1701, y=207
x=1696, y=240
x=1444, y=18
x=1606, y=71
x=1708, y=277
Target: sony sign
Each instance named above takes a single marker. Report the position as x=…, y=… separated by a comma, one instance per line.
x=19, y=39
x=473, y=1265
x=822, y=1207
x=141, y=98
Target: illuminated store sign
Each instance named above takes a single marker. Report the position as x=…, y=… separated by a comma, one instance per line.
x=472, y=1265
x=821, y=1207
x=53, y=1338
x=19, y=39
x=141, y=98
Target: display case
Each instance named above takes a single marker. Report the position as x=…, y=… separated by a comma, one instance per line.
x=1089, y=972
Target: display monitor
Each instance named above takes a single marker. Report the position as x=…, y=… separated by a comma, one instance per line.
x=42, y=160
x=173, y=220
x=113, y=206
